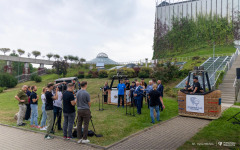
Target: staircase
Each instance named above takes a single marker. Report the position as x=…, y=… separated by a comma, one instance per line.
x=227, y=88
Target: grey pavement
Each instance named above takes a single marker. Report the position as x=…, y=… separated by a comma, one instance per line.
x=16, y=139
x=168, y=135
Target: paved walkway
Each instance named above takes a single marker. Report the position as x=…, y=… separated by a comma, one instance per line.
x=16, y=139
x=168, y=135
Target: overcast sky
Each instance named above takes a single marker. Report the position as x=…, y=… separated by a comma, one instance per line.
x=121, y=28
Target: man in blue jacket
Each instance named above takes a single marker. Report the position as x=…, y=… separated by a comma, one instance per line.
x=160, y=90
x=138, y=93
x=121, y=89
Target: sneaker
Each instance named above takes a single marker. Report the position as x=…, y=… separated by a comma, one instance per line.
x=79, y=141
x=21, y=124
x=43, y=129
x=69, y=138
x=32, y=126
x=38, y=127
x=48, y=137
x=85, y=141
x=65, y=137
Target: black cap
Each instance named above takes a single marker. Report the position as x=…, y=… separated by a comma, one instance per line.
x=195, y=78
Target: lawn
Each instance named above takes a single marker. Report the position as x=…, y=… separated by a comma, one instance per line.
x=219, y=130
x=112, y=122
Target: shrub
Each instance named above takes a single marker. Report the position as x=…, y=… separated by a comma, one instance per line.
x=7, y=80
x=92, y=74
x=220, y=78
x=136, y=70
x=111, y=73
x=33, y=76
x=144, y=72
x=80, y=74
x=129, y=72
x=1, y=89
x=103, y=74
x=38, y=79
x=89, y=76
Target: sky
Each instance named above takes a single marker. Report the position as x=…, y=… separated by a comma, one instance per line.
x=123, y=29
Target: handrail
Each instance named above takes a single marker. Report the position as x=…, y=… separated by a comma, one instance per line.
x=212, y=63
x=235, y=81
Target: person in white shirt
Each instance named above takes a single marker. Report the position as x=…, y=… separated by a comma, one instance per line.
x=57, y=109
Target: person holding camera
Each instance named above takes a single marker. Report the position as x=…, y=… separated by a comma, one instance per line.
x=49, y=108
x=84, y=113
x=34, y=107
x=57, y=108
x=23, y=100
x=69, y=114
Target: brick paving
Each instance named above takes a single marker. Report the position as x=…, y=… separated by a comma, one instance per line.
x=16, y=139
x=168, y=135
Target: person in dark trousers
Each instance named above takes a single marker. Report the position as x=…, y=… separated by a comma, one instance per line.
x=144, y=85
x=105, y=92
x=28, y=112
x=138, y=96
x=84, y=113
x=196, y=86
x=121, y=89
x=49, y=108
x=132, y=88
x=57, y=110
x=69, y=114
x=160, y=89
x=155, y=103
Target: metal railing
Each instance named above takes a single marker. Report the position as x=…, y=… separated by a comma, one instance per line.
x=27, y=77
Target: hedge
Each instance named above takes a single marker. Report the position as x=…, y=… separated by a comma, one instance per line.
x=7, y=80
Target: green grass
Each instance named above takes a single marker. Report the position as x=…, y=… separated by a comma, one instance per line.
x=112, y=122
x=219, y=130
x=237, y=103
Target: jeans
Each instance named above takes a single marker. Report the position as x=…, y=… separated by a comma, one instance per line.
x=152, y=115
x=34, y=114
x=139, y=105
x=49, y=120
x=28, y=112
x=119, y=97
x=68, y=124
x=83, y=116
x=21, y=113
x=44, y=116
x=57, y=114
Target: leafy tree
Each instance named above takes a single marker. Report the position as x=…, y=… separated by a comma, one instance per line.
x=5, y=50
x=49, y=56
x=56, y=56
x=66, y=58
x=61, y=67
x=76, y=59
x=82, y=60
x=71, y=58
x=36, y=53
x=21, y=52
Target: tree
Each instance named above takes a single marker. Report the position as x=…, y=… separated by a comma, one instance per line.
x=61, y=67
x=21, y=52
x=36, y=53
x=56, y=56
x=49, y=56
x=82, y=60
x=76, y=59
x=66, y=58
x=71, y=58
x=5, y=50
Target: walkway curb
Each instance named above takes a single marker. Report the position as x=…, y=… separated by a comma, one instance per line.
x=55, y=136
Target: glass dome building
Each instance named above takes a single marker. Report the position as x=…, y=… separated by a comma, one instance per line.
x=102, y=58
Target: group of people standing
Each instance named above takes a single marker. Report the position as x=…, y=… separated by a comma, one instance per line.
x=54, y=102
x=153, y=94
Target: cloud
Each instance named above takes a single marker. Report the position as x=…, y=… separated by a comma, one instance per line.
x=123, y=29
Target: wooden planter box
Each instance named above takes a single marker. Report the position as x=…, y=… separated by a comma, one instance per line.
x=206, y=106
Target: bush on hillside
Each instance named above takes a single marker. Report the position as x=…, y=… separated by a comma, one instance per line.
x=92, y=74
x=33, y=76
x=80, y=74
x=136, y=70
x=7, y=80
x=129, y=72
x=102, y=74
x=145, y=72
x=111, y=73
x=38, y=79
x=1, y=89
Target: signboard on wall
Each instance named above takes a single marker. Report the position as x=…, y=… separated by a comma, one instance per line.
x=195, y=103
x=114, y=96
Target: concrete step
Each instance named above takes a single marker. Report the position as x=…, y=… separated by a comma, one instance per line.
x=228, y=102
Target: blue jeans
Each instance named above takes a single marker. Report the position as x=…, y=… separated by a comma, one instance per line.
x=157, y=111
x=139, y=105
x=44, y=116
x=34, y=114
